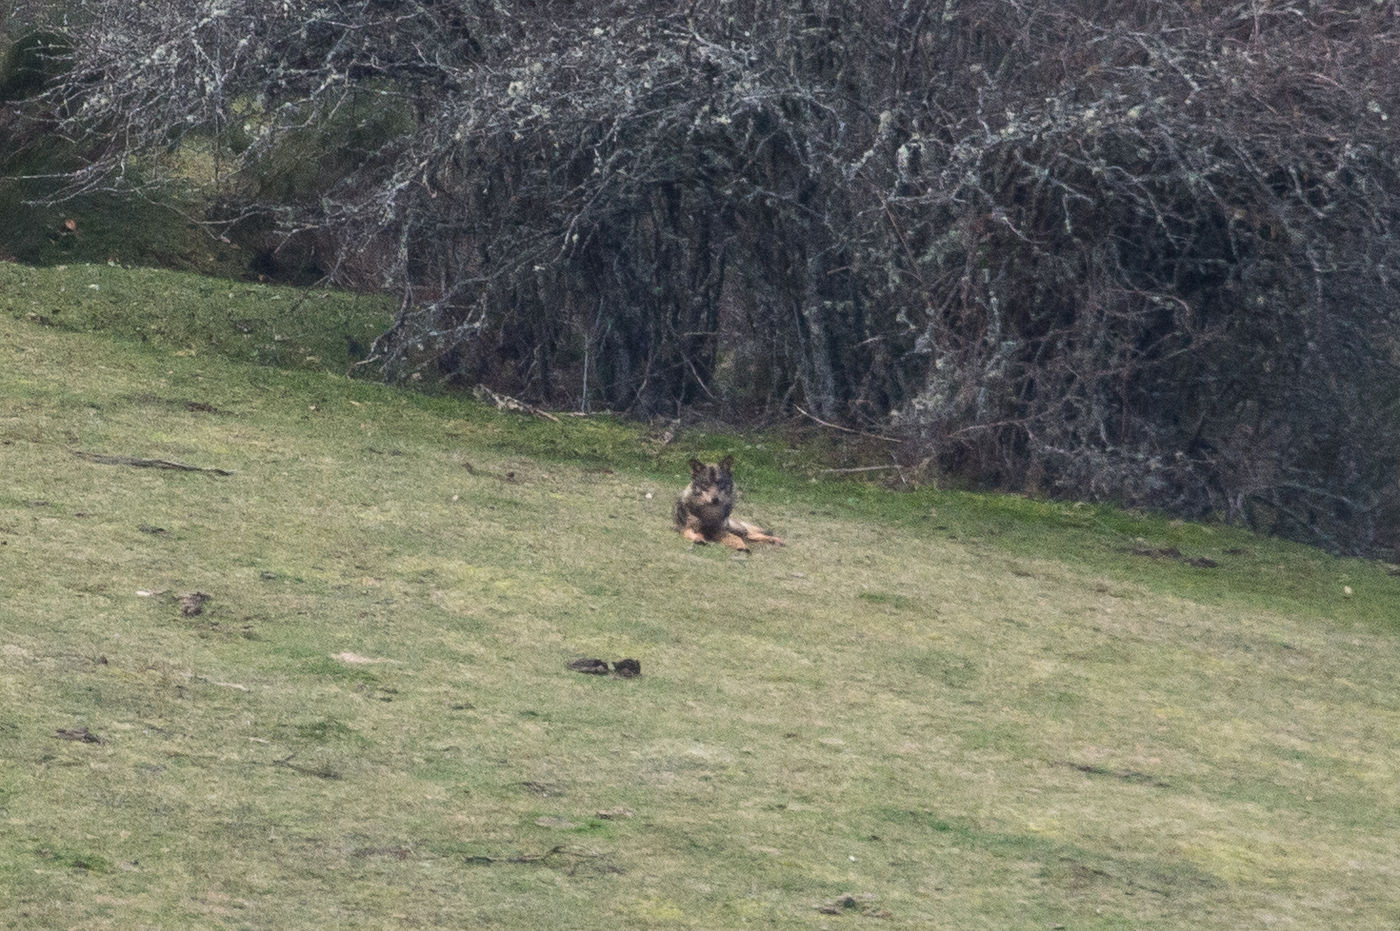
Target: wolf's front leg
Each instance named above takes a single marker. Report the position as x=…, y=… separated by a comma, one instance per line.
x=693, y=535
x=732, y=540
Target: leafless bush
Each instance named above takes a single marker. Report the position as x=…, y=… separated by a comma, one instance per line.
x=1138, y=251
x=1165, y=270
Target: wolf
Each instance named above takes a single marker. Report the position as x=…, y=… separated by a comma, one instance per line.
x=703, y=510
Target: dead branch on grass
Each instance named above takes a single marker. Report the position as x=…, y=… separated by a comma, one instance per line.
x=505, y=402
x=320, y=772
x=146, y=463
x=521, y=858
x=575, y=856
x=835, y=426
x=875, y=468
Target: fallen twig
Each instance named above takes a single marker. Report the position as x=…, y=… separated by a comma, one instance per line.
x=837, y=426
x=146, y=463
x=505, y=402
x=864, y=468
x=320, y=772
x=1127, y=775
x=572, y=856
x=522, y=858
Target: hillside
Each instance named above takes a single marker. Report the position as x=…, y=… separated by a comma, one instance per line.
x=932, y=709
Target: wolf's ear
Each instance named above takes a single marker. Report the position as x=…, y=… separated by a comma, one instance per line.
x=696, y=467
x=726, y=464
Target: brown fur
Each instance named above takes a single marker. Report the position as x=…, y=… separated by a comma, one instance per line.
x=703, y=510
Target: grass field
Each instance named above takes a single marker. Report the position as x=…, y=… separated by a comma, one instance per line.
x=932, y=709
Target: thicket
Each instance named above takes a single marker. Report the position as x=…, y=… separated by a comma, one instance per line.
x=1140, y=251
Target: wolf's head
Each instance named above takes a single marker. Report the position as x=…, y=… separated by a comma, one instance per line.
x=711, y=493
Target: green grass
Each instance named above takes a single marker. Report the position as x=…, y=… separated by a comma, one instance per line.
x=104, y=227
x=196, y=316
x=932, y=709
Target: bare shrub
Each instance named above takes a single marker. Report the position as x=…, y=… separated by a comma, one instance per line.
x=1140, y=252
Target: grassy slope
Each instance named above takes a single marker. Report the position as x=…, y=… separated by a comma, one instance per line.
x=963, y=711
x=195, y=315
